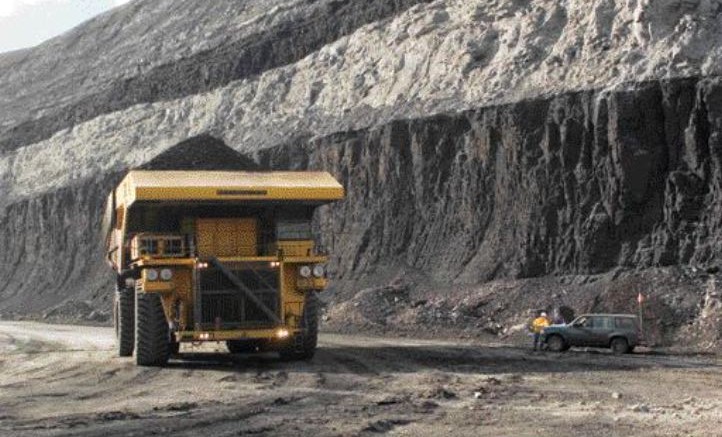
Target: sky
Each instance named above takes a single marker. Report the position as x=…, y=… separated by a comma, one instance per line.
x=25, y=23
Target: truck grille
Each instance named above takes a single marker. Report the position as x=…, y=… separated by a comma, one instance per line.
x=223, y=306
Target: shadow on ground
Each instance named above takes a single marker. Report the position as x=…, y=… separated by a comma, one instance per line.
x=462, y=359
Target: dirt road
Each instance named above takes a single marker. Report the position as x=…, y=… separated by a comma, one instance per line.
x=65, y=380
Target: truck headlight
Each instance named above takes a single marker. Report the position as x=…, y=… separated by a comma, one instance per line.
x=319, y=270
x=166, y=274
x=151, y=274
x=305, y=271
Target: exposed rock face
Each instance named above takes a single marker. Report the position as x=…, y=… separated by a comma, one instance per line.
x=578, y=183
x=476, y=139
x=52, y=249
x=442, y=57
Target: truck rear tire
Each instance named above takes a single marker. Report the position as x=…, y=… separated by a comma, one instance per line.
x=306, y=347
x=124, y=321
x=152, y=336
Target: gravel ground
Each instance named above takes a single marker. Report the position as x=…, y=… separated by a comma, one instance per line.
x=65, y=380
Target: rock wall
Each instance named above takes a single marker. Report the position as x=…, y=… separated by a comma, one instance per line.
x=53, y=252
x=476, y=139
x=575, y=184
x=442, y=57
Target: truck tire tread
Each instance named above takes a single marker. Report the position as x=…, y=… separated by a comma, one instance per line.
x=124, y=313
x=152, y=337
x=309, y=341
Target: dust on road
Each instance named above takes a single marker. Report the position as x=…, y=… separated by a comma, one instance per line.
x=65, y=380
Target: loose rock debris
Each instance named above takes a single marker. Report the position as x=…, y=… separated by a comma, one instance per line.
x=418, y=387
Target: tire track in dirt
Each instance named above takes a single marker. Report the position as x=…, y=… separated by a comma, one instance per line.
x=354, y=386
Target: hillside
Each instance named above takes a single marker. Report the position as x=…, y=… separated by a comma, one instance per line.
x=477, y=140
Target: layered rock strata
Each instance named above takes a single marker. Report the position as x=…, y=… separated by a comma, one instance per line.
x=579, y=183
x=75, y=78
x=476, y=139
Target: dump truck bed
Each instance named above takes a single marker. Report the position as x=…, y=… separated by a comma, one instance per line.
x=317, y=187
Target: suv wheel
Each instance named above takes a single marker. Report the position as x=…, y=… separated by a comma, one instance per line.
x=555, y=343
x=619, y=345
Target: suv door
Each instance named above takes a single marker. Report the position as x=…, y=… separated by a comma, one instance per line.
x=601, y=331
x=628, y=328
x=578, y=333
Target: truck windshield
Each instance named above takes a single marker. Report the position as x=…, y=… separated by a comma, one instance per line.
x=293, y=230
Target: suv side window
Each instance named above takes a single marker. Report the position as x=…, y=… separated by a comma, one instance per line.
x=625, y=323
x=600, y=322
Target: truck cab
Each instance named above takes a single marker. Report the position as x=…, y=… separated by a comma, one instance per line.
x=217, y=256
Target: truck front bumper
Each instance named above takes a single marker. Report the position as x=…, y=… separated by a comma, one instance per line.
x=279, y=334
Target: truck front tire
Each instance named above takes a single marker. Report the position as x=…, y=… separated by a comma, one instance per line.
x=124, y=321
x=305, y=347
x=152, y=336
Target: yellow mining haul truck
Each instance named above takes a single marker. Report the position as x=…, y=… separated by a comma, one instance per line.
x=217, y=256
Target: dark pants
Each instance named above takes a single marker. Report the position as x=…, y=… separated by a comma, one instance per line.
x=537, y=341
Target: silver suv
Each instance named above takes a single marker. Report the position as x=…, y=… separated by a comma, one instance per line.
x=619, y=332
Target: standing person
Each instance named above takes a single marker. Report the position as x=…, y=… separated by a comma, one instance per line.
x=537, y=325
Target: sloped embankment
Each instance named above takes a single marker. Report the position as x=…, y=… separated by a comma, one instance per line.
x=119, y=61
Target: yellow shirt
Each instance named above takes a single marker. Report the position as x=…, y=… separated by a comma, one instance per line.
x=538, y=324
